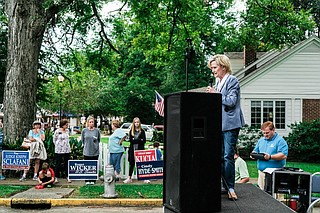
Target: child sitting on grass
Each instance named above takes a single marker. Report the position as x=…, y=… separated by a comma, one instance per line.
x=46, y=176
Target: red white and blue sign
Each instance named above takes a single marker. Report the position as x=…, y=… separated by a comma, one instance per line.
x=147, y=165
x=15, y=160
x=150, y=170
x=83, y=170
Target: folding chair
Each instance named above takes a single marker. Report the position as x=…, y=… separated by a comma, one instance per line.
x=315, y=188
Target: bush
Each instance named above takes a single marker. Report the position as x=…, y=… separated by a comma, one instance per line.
x=304, y=141
x=158, y=136
x=248, y=137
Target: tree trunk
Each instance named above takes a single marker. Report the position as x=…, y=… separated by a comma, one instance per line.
x=27, y=23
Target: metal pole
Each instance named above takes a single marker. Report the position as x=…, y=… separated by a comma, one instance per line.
x=60, y=106
x=188, y=56
x=60, y=79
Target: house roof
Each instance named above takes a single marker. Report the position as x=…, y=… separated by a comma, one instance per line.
x=271, y=58
x=267, y=60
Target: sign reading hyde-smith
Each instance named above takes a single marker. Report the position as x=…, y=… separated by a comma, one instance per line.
x=83, y=170
x=15, y=160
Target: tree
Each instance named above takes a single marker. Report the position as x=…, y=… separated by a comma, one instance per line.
x=148, y=57
x=27, y=22
x=313, y=6
x=144, y=51
x=23, y=53
x=3, y=49
x=270, y=24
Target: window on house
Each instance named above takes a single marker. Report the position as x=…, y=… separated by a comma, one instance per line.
x=262, y=111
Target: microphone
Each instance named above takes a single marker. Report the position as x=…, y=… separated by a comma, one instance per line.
x=210, y=81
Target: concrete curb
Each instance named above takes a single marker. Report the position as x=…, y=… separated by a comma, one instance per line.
x=82, y=202
x=5, y=202
x=109, y=202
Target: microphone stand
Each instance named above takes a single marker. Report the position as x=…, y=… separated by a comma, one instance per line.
x=188, y=57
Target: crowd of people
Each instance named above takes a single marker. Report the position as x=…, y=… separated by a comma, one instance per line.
x=90, y=137
x=234, y=168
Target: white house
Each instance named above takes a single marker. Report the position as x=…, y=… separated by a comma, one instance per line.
x=282, y=86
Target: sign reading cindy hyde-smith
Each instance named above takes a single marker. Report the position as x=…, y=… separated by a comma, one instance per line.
x=150, y=170
x=147, y=165
x=15, y=160
x=83, y=170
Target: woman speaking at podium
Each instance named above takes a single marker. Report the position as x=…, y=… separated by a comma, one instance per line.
x=232, y=117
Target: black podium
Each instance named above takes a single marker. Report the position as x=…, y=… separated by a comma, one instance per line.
x=192, y=152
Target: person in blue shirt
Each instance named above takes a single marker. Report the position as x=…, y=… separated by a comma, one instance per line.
x=275, y=149
x=38, y=152
x=158, y=151
x=116, y=148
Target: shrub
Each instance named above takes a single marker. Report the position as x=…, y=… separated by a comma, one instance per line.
x=304, y=141
x=248, y=137
x=158, y=136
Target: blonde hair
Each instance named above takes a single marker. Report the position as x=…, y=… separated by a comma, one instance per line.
x=133, y=127
x=116, y=123
x=88, y=119
x=223, y=61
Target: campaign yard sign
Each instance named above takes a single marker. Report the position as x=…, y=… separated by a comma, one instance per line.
x=145, y=155
x=150, y=170
x=83, y=170
x=15, y=160
x=147, y=165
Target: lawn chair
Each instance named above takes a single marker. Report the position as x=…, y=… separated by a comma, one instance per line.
x=315, y=188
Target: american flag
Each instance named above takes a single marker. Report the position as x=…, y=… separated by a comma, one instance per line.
x=159, y=104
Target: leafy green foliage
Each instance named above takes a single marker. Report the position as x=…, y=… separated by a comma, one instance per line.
x=273, y=24
x=304, y=141
x=158, y=136
x=112, y=64
x=247, y=139
x=309, y=5
x=76, y=149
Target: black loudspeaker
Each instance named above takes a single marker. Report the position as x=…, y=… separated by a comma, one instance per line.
x=192, y=152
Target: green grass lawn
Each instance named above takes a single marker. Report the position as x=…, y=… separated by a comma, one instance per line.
x=155, y=190
x=307, y=167
x=7, y=191
x=123, y=191
x=144, y=190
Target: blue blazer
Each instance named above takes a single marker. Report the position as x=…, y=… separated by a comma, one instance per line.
x=232, y=116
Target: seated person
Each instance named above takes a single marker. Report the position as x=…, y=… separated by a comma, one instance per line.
x=241, y=170
x=46, y=176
